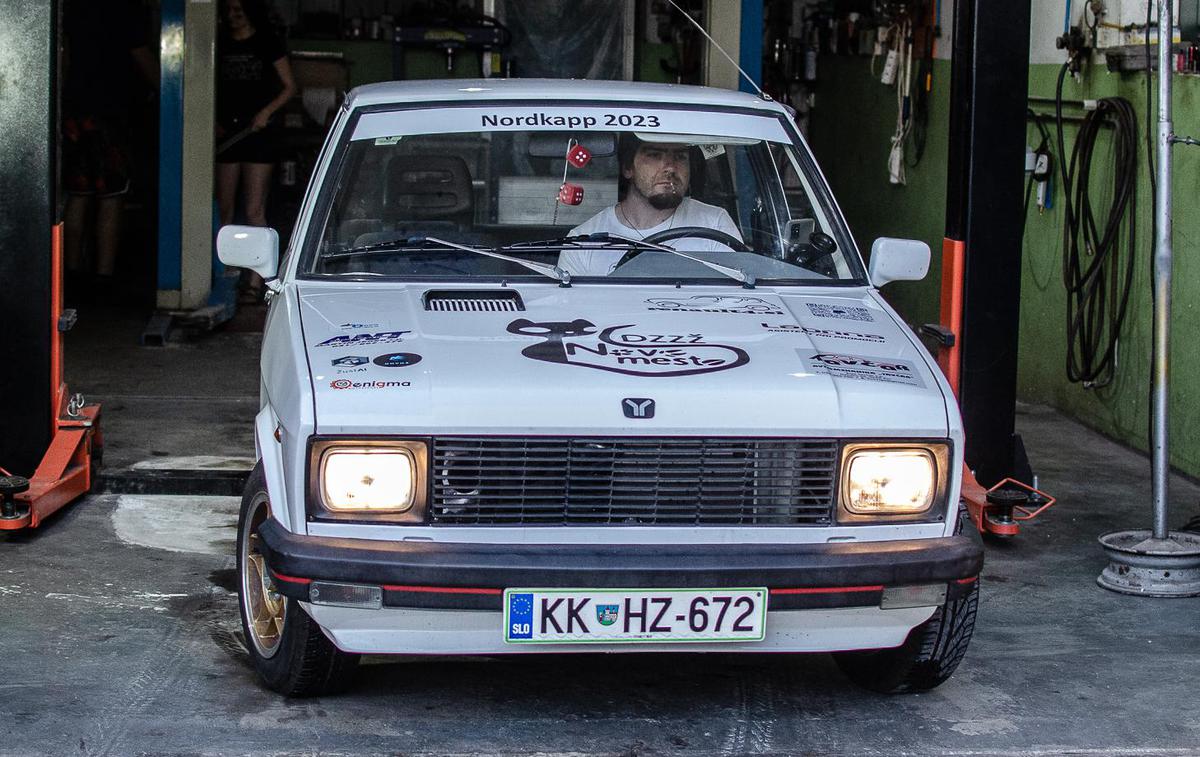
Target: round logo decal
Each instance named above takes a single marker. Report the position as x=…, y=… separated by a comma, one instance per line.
x=341, y=383
x=397, y=360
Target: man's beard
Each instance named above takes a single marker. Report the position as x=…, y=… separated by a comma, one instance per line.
x=665, y=200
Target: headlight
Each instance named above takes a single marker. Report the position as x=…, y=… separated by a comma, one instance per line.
x=385, y=478
x=890, y=480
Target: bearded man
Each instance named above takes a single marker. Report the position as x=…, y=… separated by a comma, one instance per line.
x=653, y=190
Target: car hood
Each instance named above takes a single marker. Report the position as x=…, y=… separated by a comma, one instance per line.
x=587, y=359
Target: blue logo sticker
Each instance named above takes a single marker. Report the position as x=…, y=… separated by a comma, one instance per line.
x=349, y=361
x=520, y=616
x=355, y=340
x=397, y=360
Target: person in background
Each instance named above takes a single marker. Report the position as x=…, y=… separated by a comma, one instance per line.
x=105, y=47
x=254, y=80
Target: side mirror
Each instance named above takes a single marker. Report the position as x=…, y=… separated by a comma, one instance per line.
x=253, y=247
x=898, y=260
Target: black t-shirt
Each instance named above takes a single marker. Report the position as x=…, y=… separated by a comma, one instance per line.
x=101, y=74
x=246, y=77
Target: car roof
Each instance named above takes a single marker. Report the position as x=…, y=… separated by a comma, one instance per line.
x=466, y=90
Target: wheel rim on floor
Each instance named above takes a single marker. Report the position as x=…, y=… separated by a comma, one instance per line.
x=265, y=608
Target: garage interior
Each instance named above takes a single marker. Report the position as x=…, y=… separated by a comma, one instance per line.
x=1018, y=130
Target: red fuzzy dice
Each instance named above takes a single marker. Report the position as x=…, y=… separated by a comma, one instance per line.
x=570, y=194
x=579, y=156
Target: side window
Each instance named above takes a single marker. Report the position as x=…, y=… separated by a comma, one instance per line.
x=803, y=217
x=799, y=204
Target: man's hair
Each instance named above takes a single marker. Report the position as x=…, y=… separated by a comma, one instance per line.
x=627, y=147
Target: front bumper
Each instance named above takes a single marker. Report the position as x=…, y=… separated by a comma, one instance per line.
x=456, y=576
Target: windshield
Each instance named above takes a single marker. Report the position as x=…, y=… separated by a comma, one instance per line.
x=576, y=193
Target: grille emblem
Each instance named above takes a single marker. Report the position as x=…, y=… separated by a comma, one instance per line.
x=638, y=407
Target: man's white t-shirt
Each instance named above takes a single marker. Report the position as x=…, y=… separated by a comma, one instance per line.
x=689, y=213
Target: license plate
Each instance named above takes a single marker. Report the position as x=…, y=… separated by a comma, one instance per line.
x=609, y=616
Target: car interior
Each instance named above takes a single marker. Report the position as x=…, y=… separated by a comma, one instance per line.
x=501, y=188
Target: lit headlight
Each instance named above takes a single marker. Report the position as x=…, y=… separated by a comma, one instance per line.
x=367, y=479
x=889, y=481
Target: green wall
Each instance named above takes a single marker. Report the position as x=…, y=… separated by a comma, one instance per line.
x=852, y=124
x=371, y=60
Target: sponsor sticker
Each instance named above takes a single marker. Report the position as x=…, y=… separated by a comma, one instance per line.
x=626, y=349
x=714, y=303
x=359, y=340
x=860, y=368
x=397, y=360
x=356, y=326
x=853, y=336
x=348, y=384
x=846, y=312
x=581, y=117
x=349, y=361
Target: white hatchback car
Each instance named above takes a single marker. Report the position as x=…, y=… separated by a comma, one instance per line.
x=559, y=365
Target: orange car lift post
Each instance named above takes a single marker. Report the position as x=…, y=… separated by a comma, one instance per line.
x=48, y=437
x=70, y=465
x=981, y=255
x=996, y=510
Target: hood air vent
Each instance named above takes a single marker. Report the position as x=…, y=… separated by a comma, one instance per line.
x=473, y=301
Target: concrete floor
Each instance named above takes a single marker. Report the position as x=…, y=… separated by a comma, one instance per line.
x=120, y=635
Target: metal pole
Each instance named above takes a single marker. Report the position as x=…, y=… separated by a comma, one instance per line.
x=1162, y=273
x=1157, y=563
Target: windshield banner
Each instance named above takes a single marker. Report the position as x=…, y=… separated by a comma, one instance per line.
x=451, y=120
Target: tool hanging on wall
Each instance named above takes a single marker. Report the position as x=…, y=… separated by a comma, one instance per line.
x=898, y=69
x=927, y=33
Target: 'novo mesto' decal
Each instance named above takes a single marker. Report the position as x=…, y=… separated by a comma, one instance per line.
x=626, y=349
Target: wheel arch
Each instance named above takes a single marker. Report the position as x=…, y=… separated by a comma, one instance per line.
x=269, y=452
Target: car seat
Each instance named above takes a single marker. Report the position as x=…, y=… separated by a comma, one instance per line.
x=425, y=188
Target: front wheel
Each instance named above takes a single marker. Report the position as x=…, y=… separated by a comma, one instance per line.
x=930, y=654
x=291, y=654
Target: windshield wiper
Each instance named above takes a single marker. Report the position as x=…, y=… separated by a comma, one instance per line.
x=418, y=243
x=602, y=239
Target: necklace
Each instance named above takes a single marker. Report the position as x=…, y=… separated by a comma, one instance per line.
x=636, y=230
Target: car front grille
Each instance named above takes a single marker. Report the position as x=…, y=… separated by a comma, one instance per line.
x=632, y=481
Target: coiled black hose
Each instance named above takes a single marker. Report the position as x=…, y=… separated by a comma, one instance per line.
x=1098, y=251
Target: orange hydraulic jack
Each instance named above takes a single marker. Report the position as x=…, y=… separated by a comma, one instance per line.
x=998, y=510
x=69, y=467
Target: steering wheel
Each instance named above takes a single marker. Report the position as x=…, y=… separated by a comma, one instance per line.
x=703, y=232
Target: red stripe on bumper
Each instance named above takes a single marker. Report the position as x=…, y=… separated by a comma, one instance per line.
x=441, y=589
x=829, y=590
x=291, y=579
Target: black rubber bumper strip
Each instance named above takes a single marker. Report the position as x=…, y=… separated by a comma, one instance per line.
x=473, y=576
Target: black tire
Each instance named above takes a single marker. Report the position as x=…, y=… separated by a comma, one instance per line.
x=302, y=662
x=930, y=654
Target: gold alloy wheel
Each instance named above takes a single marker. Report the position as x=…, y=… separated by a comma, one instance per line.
x=263, y=606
